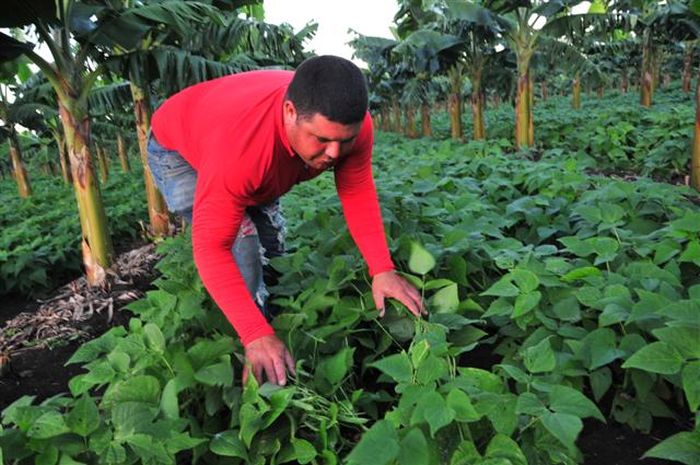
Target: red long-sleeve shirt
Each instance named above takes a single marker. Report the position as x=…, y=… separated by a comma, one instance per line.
x=231, y=131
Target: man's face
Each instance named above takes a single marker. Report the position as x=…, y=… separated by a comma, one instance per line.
x=319, y=142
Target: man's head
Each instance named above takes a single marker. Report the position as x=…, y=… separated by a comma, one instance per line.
x=325, y=105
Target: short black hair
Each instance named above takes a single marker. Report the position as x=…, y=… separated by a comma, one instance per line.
x=331, y=86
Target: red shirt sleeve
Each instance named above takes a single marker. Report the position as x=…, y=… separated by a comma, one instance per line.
x=358, y=196
x=219, y=208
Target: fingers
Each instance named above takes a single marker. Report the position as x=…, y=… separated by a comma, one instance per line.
x=289, y=361
x=378, y=302
x=269, y=357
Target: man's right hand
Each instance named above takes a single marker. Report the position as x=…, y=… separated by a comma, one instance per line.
x=268, y=354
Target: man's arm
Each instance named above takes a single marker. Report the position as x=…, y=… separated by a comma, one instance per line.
x=217, y=215
x=358, y=197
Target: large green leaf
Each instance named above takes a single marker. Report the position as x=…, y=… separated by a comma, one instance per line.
x=563, y=426
x=414, y=449
x=397, y=366
x=682, y=447
x=379, y=445
x=657, y=357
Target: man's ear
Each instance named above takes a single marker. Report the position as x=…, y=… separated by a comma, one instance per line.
x=289, y=111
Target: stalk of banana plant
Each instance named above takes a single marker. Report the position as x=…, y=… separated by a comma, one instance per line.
x=454, y=103
x=96, y=242
x=522, y=110
x=576, y=92
x=544, y=90
x=425, y=120
x=687, y=68
x=410, y=129
x=477, y=103
x=157, y=209
x=647, y=76
x=121, y=150
x=396, y=111
x=20, y=173
x=102, y=161
x=695, y=160
x=531, y=109
x=63, y=159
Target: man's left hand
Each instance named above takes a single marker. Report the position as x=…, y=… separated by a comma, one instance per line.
x=389, y=284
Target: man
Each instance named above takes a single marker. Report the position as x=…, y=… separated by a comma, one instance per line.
x=222, y=153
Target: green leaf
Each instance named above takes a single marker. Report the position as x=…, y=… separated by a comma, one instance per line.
x=49, y=456
x=446, y=300
x=503, y=447
x=530, y=404
x=690, y=222
x=154, y=338
x=420, y=260
x=685, y=339
x=84, y=418
x=682, y=447
x=169, y=404
x=599, y=348
x=227, y=444
x=540, y=357
x=140, y=388
x=413, y=449
x=692, y=253
x=502, y=288
x=378, y=446
x=304, y=451
x=601, y=380
x=568, y=400
x=217, y=374
x=657, y=357
x=526, y=280
x=251, y=422
x=581, y=273
x=419, y=351
x=563, y=426
x=432, y=409
x=524, y=303
x=397, y=366
x=48, y=425
x=466, y=454
x=691, y=384
x=460, y=402
x=335, y=367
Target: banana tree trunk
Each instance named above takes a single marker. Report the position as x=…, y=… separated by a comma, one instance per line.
x=576, y=93
x=454, y=103
x=687, y=68
x=96, y=242
x=20, y=173
x=121, y=150
x=102, y=161
x=600, y=91
x=522, y=109
x=63, y=159
x=478, y=115
x=531, y=108
x=647, y=76
x=695, y=160
x=396, y=110
x=624, y=82
x=544, y=90
x=477, y=104
x=410, y=130
x=157, y=209
x=425, y=120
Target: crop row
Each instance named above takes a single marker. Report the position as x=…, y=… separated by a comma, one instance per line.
x=584, y=289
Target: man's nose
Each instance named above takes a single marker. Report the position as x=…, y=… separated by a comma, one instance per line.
x=333, y=150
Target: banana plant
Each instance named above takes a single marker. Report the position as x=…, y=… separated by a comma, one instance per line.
x=10, y=110
x=424, y=53
x=521, y=24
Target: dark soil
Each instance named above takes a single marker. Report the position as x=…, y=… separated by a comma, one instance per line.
x=42, y=372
